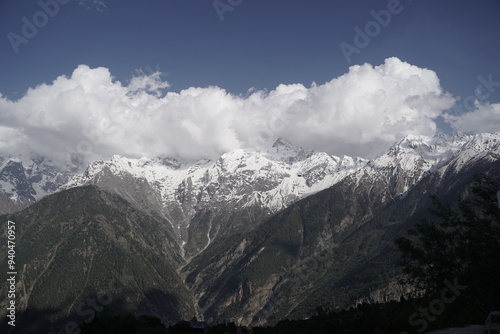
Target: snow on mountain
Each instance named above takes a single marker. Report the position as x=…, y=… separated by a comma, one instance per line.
x=25, y=181
x=421, y=154
x=273, y=178
x=410, y=159
x=480, y=146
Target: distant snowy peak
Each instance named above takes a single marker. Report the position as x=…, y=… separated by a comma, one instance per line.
x=410, y=159
x=480, y=146
x=31, y=178
x=14, y=181
x=483, y=142
x=273, y=178
x=284, y=149
x=414, y=150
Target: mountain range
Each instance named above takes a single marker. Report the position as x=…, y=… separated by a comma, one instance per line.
x=252, y=237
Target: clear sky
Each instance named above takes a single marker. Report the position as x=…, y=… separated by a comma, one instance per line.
x=238, y=45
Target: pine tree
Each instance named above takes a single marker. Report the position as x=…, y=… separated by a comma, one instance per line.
x=461, y=244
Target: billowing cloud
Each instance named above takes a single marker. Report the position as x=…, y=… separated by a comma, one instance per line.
x=485, y=118
x=89, y=115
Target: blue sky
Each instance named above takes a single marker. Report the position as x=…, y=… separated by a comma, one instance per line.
x=256, y=44
x=260, y=43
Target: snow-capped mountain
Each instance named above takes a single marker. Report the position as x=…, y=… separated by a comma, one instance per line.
x=204, y=199
x=273, y=178
x=479, y=147
x=409, y=160
x=421, y=153
x=24, y=182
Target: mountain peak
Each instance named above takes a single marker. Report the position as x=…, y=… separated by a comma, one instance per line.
x=282, y=142
x=281, y=145
x=284, y=149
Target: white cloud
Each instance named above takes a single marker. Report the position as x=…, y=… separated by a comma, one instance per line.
x=150, y=83
x=485, y=118
x=94, y=116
